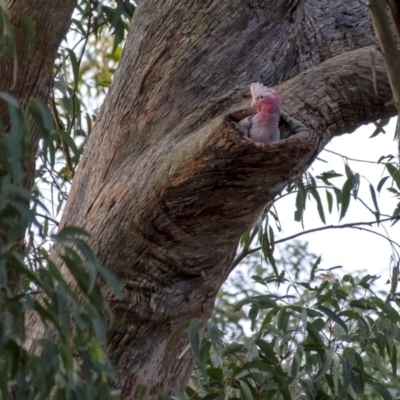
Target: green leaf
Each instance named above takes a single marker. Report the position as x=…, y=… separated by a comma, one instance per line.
x=253, y=312
x=393, y=361
x=376, y=360
x=296, y=363
x=314, y=267
x=117, y=14
x=300, y=201
x=355, y=185
x=70, y=232
x=373, y=195
x=346, y=373
x=360, y=303
x=329, y=313
x=119, y=33
x=215, y=373
x=75, y=67
x=329, y=199
x=245, y=239
x=381, y=183
x=204, y=354
x=396, y=211
x=367, y=280
x=326, y=176
x=29, y=28
x=245, y=392
x=179, y=330
x=326, y=364
x=320, y=209
x=338, y=195
x=348, y=171
x=111, y=281
x=346, y=190
x=7, y=39
x=314, y=335
x=69, y=141
x=233, y=348
x=267, y=351
x=213, y=334
x=194, y=337
x=210, y=396
x=394, y=173
x=381, y=389
x=265, y=247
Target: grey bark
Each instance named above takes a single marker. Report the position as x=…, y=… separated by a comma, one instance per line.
x=35, y=69
x=167, y=186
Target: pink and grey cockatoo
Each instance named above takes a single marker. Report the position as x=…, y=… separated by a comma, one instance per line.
x=263, y=126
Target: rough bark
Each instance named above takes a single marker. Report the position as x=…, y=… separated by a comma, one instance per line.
x=394, y=6
x=387, y=44
x=166, y=186
x=35, y=68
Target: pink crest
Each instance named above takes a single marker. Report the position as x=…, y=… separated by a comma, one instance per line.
x=260, y=92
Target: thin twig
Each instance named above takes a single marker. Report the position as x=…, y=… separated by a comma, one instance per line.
x=48, y=218
x=354, y=225
x=353, y=159
x=64, y=145
x=243, y=254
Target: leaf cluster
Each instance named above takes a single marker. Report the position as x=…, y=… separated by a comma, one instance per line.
x=322, y=337
x=68, y=360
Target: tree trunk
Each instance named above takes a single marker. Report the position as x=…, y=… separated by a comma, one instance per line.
x=166, y=186
x=34, y=67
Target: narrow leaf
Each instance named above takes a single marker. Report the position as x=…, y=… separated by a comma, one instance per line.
x=381, y=183
x=346, y=196
x=394, y=173
x=329, y=198
x=194, y=337
x=314, y=267
x=381, y=389
x=245, y=392
x=315, y=194
x=29, y=28
x=300, y=202
x=334, y=317
x=75, y=67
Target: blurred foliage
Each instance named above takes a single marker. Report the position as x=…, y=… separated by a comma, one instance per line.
x=69, y=360
x=318, y=336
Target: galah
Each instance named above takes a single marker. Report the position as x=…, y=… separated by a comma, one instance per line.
x=263, y=126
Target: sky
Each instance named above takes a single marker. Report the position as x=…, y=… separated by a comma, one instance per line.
x=352, y=249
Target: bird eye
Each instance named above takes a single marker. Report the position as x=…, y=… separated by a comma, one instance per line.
x=261, y=97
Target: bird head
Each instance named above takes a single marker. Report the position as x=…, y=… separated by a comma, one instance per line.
x=260, y=92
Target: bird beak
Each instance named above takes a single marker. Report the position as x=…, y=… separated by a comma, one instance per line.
x=253, y=103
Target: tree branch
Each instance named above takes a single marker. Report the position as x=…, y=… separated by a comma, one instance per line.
x=354, y=225
x=394, y=6
x=388, y=46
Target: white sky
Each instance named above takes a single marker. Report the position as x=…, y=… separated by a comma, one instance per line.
x=353, y=249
